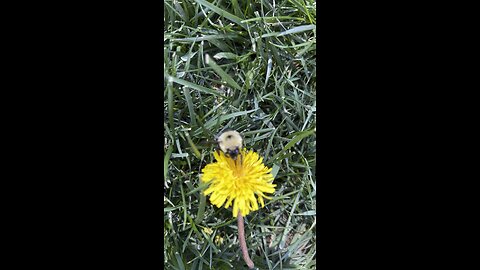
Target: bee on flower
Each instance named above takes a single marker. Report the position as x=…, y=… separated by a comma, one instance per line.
x=241, y=182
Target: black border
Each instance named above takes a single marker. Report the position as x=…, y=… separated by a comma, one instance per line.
x=93, y=106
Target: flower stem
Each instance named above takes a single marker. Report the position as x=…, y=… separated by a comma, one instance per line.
x=243, y=244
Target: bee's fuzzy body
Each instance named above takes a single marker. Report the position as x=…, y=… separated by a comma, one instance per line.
x=230, y=142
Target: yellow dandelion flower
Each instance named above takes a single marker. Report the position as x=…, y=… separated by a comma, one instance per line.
x=238, y=181
x=218, y=240
x=207, y=230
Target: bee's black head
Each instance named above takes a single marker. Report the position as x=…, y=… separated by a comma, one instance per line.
x=233, y=153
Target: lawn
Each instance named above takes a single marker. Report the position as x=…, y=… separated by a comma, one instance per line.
x=249, y=66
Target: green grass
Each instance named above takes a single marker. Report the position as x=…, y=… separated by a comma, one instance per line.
x=250, y=66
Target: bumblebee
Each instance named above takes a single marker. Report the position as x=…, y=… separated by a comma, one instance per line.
x=230, y=142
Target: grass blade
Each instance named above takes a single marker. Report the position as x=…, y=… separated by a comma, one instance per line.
x=222, y=12
x=193, y=85
x=298, y=137
x=227, y=78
